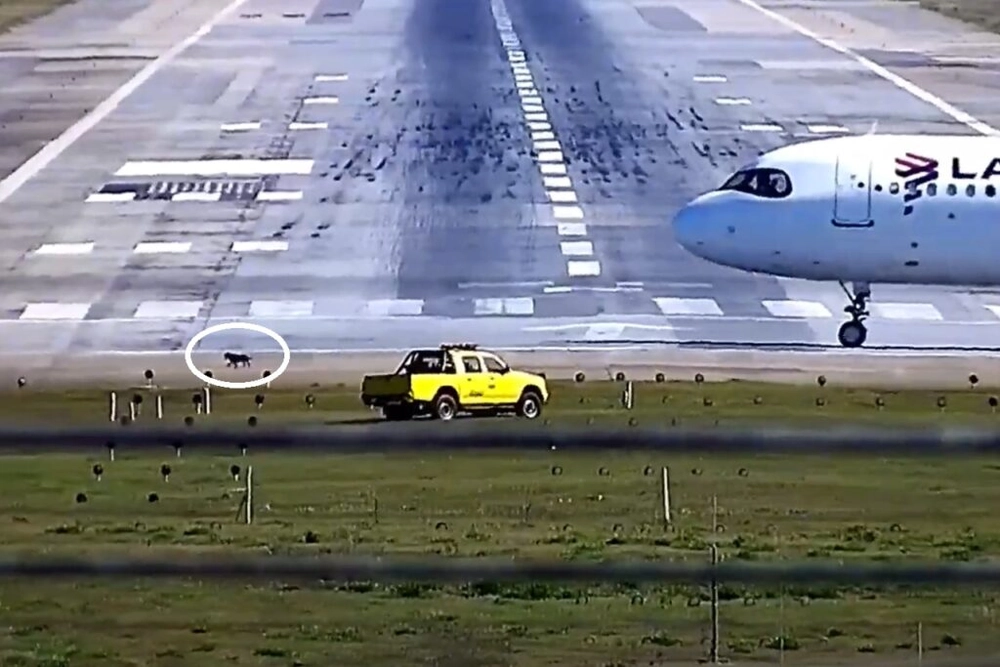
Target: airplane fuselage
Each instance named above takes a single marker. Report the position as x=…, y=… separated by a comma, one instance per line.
x=875, y=209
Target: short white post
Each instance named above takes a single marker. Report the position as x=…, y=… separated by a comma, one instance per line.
x=249, y=494
x=920, y=643
x=208, y=400
x=114, y=406
x=159, y=406
x=666, y=496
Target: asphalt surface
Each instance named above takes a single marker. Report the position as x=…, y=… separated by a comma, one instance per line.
x=437, y=187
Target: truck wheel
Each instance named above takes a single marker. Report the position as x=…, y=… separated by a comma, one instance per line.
x=396, y=413
x=445, y=407
x=530, y=405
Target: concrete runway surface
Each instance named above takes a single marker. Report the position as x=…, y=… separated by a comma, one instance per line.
x=381, y=174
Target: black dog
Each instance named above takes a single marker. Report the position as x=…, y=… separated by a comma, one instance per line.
x=234, y=360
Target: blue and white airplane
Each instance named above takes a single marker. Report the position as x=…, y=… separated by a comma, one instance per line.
x=894, y=209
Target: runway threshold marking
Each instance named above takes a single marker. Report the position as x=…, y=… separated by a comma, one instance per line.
x=903, y=84
x=58, y=146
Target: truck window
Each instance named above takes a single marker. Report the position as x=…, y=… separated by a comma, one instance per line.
x=493, y=365
x=423, y=363
x=472, y=364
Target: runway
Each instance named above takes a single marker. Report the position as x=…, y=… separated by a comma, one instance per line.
x=372, y=174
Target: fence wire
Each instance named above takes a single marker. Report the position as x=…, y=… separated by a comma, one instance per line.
x=447, y=570
x=430, y=436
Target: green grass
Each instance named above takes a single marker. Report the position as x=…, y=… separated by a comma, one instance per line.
x=15, y=12
x=598, y=403
x=984, y=13
x=491, y=504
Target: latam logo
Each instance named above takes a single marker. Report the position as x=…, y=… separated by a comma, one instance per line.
x=916, y=172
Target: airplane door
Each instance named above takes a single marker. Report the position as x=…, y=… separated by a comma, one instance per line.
x=852, y=199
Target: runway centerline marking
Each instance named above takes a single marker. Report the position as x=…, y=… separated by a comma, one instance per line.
x=549, y=157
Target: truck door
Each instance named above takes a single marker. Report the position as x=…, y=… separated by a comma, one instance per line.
x=852, y=198
x=503, y=388
x=473, y=387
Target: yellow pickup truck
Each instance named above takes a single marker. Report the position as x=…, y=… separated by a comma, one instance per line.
x=454, y=379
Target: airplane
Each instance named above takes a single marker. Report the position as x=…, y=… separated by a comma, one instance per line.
x=863, y=209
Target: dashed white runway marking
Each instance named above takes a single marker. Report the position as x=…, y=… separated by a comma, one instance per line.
x=322, y=99
x=241, y=127
x=537, y=116
x=299, y=125
x=509, y=306
x=65, y=249
x=797, y=309
x=905, y=311
x=167, y=310
x=259, y=246
x=162, y=247
x=55, y=311
x=553, y=169
x=761, y=127
x=827, y=129
x=539, y=125
x=394, y=308
x=542, y=136
x=579, y=269
x=567, y=212
x=551, y=156
x=548, y=145
x=279, y=195
x=675, y=306
x=577, y=248
x=264, y=308
x=329, y=78
x=109, y=197
x=710, y=78
x=732, y=101
x=578, y=229
x=562, y=196
x=557, y=182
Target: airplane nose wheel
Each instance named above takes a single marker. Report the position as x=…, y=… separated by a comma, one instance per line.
x=854, y=333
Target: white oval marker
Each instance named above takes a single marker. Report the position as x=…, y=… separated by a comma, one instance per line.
x=230, y=326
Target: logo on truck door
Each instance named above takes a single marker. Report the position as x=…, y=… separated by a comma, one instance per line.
x=916, y=172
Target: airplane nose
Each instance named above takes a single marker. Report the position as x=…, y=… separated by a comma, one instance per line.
x=689, y=227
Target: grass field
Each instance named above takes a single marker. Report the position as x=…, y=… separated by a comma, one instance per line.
x=492, y=504
x=598, y=403
x=984, y=13
x=13, y=12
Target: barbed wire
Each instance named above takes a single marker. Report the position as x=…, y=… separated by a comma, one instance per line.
x=429, y=436
x=447, y=570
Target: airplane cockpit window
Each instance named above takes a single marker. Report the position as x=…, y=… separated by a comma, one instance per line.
x=761, y=182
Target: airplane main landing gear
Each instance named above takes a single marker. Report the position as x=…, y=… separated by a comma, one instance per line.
x=854, y=333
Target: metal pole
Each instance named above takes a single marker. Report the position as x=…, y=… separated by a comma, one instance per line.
x=114, y=406
x=714, y=657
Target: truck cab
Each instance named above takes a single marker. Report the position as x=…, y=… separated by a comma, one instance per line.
x=454, y=379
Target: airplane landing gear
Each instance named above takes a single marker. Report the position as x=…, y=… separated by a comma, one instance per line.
x=854, y=333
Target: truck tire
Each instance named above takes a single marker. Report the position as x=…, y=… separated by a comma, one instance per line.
x=397, y=413
x=445, y=407
x=530, y=405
